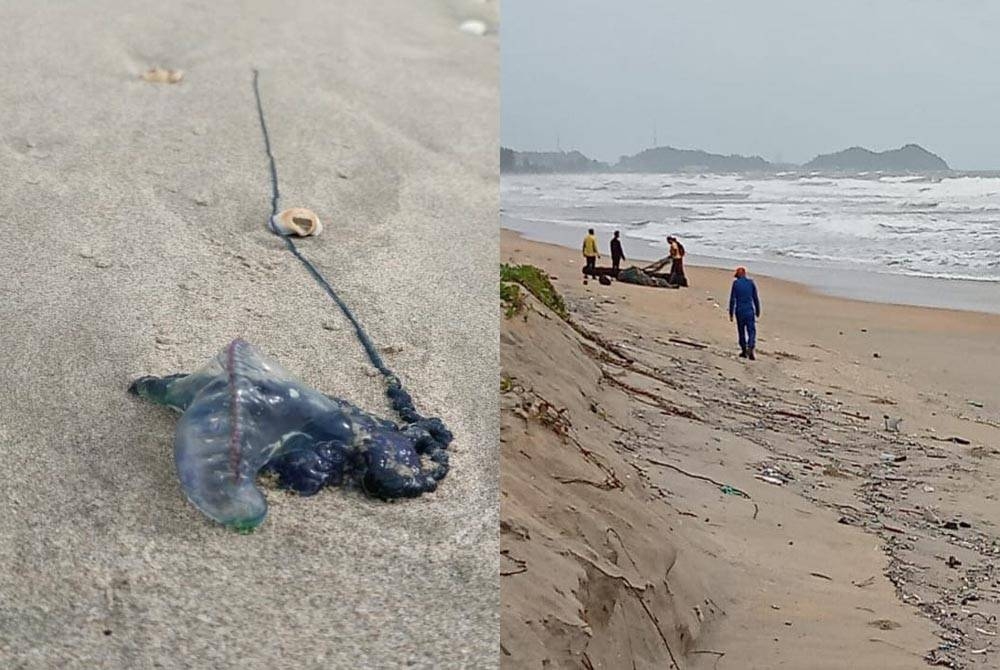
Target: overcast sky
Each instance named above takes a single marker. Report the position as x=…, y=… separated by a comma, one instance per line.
x=781, y=79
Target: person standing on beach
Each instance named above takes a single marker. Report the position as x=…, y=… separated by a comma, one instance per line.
x=616, y=252
x=590, y=254
x=676, y=276
x=745, y=305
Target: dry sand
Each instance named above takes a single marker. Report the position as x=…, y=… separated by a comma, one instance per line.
x=610, y=559
x=135, y=243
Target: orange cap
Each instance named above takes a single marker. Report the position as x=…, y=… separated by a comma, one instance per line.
x=741, y=272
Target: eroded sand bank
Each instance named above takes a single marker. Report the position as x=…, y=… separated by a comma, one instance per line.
x=859, y=559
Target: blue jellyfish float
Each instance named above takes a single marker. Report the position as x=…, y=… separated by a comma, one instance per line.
x=243, y=414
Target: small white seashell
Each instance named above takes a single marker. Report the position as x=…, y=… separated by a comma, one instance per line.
x=159, y=75
x=296, y=221
x=474, y=27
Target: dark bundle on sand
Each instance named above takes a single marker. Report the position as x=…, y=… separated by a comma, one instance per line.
x=658, y=265
x=600, y=272
x=675, y=276
x=634, y=275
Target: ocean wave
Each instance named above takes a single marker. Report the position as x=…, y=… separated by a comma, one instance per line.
x=737, y=219
x=562, y=222
x=907, y=179
x=903, y=229
x=950, y=276
x=850, y=259
x=708, y=195
x=914, y=225
x=642, y=197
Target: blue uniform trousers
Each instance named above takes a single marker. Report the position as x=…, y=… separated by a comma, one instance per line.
x=746, y=327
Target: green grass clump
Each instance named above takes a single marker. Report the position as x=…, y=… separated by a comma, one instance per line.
x=536, y=282
x=511, y=299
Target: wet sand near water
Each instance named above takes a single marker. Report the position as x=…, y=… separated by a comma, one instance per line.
x=885, y=288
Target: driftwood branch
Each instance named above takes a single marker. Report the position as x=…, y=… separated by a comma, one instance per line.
x=687, y=343
x=657, y=400
x=638, y=593
x=522, y=566
x=606, y=485
x=610, y=476
x=693, y=475
x=794, y=415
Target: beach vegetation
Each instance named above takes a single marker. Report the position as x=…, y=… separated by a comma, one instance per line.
x=534, y=280
x=511, y=299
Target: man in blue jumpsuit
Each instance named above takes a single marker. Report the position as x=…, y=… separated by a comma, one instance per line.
x=744, y=304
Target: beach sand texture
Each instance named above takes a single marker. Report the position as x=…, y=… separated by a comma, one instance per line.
x=135, y=243
x=613, y=557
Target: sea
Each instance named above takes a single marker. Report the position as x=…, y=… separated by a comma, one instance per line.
x=929, y=239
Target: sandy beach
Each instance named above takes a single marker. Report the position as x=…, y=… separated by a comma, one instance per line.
x=836, y=543
x=135, y=243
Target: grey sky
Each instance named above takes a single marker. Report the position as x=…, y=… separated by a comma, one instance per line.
x=781, y=79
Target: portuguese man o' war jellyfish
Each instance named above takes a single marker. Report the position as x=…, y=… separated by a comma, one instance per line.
x=243, y=414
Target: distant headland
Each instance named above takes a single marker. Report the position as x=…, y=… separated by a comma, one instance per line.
x=908, y=158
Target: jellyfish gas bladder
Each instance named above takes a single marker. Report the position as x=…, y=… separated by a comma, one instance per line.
x=242, y=414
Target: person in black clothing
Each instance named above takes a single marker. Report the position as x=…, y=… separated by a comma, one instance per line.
x=616, y=253
x=676, y=276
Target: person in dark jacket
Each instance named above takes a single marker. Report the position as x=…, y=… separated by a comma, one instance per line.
x=745, y=306
x=616, y=252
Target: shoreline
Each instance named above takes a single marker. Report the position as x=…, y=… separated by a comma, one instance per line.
x=795, y=312
x=981, y=297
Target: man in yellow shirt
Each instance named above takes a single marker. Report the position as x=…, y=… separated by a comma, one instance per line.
x=590, y=253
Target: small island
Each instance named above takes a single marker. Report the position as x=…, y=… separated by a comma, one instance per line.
x=909, y=158
x=669, y=159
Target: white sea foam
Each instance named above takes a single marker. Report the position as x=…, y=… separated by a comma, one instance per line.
x=919, y=225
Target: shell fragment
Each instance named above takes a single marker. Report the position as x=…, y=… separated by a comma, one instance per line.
x=474, y=27
x=297, y=221
x=159, y=75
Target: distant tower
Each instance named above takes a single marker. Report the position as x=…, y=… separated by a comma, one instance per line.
x=655, y=142
x=558, y=144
